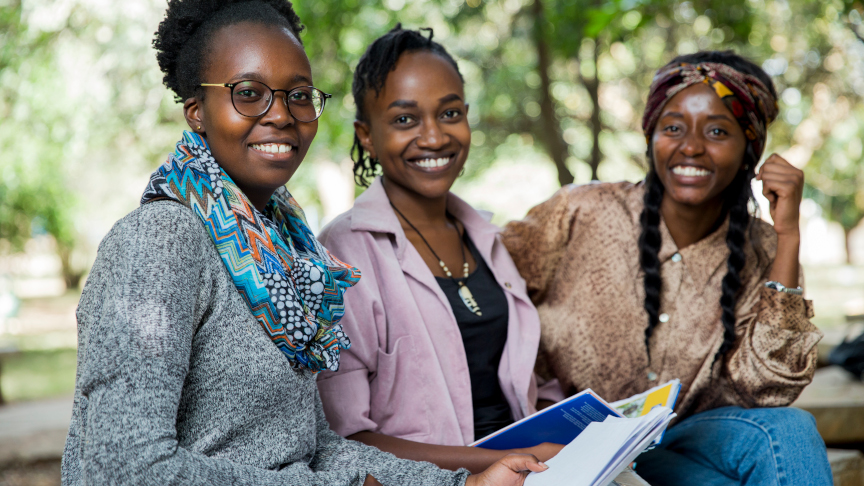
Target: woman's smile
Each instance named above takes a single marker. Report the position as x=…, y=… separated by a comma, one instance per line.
x=282, y=152
x=432, y=163
x=418, y=125
x=698, y=147
x=686, y=174
x=260, y=153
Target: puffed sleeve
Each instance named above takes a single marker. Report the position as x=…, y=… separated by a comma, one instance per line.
x=336, y=455
x=144, y=300
x=774, y=356
x=538, y=242
x=346, y=393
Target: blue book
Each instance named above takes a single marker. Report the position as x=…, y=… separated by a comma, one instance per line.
x=559, y=423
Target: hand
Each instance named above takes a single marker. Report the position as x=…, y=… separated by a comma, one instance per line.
x=511, y=470
x=544, y=451
x=370, y=481
x=782, y=185
x=541, y=404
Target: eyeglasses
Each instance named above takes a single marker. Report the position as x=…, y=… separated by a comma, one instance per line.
x=253, y=99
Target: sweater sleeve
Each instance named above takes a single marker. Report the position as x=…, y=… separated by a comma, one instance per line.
x=346, y=394
x=538, y=242
x=145, y=298
x=775, y=350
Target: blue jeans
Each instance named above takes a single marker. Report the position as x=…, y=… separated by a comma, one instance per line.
x=737, y=446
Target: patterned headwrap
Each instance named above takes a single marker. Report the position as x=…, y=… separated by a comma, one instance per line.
x=746, y=97
x=292, y=285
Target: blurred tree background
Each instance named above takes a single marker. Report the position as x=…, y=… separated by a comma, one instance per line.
x=557, y=83
x=556, y=87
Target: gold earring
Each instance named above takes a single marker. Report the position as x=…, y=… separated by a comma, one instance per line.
x=199, y=127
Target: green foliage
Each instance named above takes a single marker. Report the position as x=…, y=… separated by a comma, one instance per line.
x=33, y=375
x=84, y=116
x=30, y=198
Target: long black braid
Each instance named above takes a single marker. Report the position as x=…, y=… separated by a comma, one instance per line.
x=737, y=197
x=375, y=65
x=649, y=247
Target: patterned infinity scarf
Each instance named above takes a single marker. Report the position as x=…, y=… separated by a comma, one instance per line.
x=291, y=283
x=749, y=100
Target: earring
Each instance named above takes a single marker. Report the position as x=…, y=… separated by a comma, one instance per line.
x=199, y=127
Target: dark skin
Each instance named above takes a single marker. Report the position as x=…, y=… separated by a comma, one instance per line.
x=420, y=118
x=416, y=119
x=275, y=57
x=272, y=55
x=698, y=149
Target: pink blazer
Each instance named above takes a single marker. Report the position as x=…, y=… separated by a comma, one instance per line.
x=406, y=374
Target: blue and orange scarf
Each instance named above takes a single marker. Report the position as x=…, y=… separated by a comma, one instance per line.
x=293, y=286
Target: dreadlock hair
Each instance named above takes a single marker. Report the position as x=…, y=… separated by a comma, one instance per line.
x=735, y=205
x=375, y=65
x=182, y=41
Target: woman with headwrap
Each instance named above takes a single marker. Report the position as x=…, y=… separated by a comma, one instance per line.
x=718, y=288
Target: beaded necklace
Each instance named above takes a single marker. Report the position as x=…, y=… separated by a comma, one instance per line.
x=464, y=292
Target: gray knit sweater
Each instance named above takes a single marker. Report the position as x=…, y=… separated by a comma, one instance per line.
x=178, y=384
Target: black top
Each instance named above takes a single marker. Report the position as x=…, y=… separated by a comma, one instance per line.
x=484, y=337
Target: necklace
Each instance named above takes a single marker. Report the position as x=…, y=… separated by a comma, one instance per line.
x=464, y=292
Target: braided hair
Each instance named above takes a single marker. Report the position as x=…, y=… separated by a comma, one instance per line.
x=375, y=65
x=183, y=38
x=736, y=198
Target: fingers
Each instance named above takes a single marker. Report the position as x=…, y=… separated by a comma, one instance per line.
x=523, y=462
x=777, y=161
x=370, y=481
x=780, y=178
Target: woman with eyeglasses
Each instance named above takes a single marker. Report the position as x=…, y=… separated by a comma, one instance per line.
x=673, y=277
x=444, y=336
x=211, y=308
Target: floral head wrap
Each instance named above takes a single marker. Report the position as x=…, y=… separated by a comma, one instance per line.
x=749, y=100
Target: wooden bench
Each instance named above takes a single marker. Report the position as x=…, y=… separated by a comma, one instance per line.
x=836, y=400
x=847, y=467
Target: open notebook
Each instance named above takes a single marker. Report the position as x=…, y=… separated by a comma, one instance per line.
x=565, y=420
x=598, y=454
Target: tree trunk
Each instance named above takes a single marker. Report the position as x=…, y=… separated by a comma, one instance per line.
x=593, y=88
x=551, y=135
x=71, y=276
x=846, y=232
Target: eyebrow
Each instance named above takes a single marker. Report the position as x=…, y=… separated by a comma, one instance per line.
x=413, y=104
x=403, y=104
x=719, y=117
x=255, y=76
x=675, y=114
x=449, y=98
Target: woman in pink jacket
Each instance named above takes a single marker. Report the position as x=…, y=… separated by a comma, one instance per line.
x=444, y=337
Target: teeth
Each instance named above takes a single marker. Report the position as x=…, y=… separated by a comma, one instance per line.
x=430, y=163
x=273, y=148
x=689, y=171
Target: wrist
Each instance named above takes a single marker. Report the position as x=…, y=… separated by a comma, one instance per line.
x=779, y=287
x=789, y=236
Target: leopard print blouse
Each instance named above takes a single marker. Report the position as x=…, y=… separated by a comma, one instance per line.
x=579, y=256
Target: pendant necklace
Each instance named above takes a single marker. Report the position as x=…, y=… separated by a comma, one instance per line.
x=464, y=292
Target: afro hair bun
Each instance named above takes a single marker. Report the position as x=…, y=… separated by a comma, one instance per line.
x=183, y=36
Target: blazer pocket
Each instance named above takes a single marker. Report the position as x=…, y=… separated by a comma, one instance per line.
x=398, y=398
